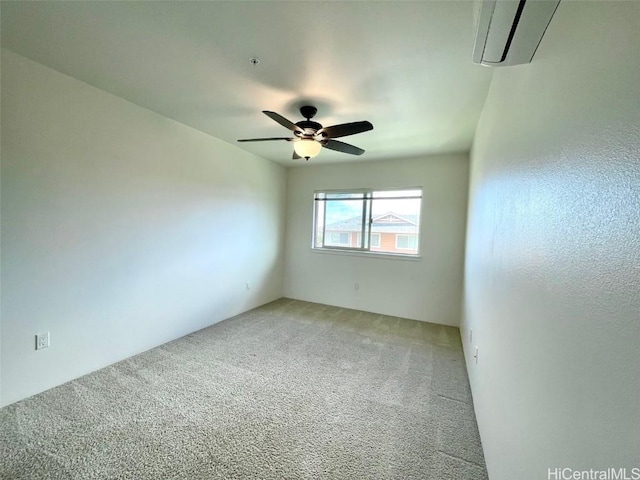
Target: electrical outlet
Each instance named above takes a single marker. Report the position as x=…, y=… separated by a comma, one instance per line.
x=42, y=341
x=476, y=355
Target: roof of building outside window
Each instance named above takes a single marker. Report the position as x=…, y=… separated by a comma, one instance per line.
x=389, y=222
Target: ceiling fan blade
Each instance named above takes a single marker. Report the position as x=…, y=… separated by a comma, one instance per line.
x=283, y=121
x=288, y=139
x=295, y=156
x=345, y=129
x=342, y=147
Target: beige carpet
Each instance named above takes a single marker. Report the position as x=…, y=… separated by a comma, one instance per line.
x=290, y=390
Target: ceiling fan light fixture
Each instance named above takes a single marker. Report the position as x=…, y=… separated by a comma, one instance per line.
x=307, y=148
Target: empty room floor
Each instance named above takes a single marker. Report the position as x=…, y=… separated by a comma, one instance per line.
x=288, y=390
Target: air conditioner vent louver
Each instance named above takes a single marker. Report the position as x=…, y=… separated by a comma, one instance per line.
x=509, y=31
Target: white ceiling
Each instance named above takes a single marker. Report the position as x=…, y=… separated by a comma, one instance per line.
x=404, y=66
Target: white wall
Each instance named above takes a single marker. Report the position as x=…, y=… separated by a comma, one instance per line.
x=121, y=229
x=552, y=288
x=429, y=289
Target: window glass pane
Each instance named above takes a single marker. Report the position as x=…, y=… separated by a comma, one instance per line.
x=337, y=238
x=375, y=240
x=343, y=221
x=407, y=242
x=396, y=219
x=344, y=195
x=318, y=231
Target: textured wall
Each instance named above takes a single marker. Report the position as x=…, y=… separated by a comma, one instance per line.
x=553, y=251
x=121, y=229
x=427, y=289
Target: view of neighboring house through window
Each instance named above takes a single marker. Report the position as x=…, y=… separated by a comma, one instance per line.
x=378, y=221
x=407, y=242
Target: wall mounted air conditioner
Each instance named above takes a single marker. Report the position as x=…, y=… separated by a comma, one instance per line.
x=509, y=31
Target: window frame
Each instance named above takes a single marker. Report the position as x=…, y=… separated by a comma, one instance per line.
x=368, y=197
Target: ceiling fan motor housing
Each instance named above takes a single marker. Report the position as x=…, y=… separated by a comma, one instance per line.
x=308, y=111
x=309, y=127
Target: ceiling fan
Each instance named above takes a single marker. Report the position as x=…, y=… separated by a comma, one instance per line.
x=309, y=136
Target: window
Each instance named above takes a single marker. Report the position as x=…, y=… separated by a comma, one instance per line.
x=337, y=239
x=385, y=221
x=375, y=240
x=406, y=242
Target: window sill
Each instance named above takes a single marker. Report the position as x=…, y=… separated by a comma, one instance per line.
x=378, y=255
